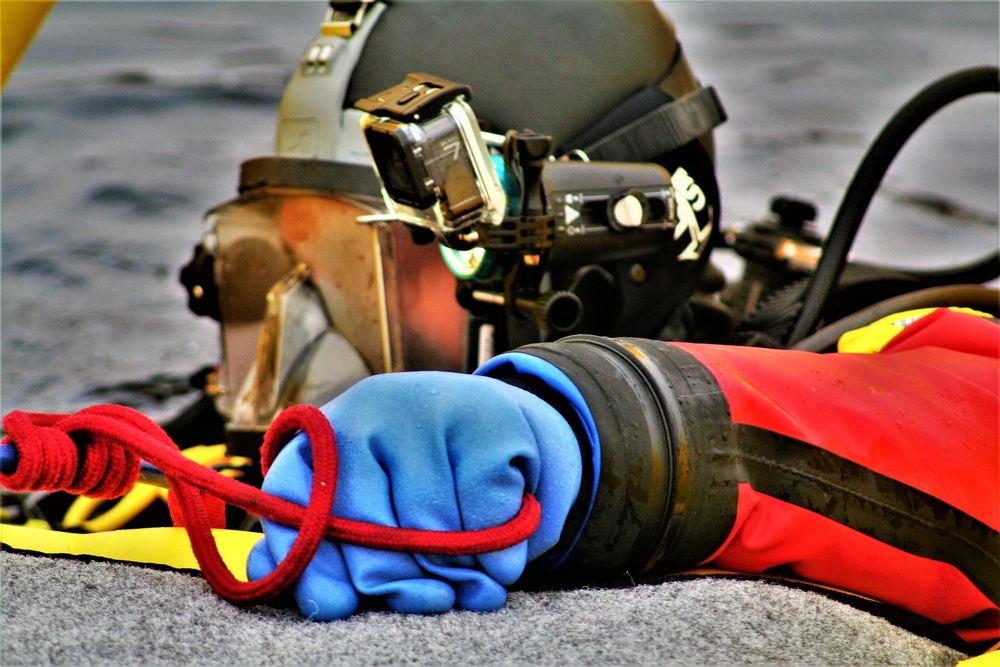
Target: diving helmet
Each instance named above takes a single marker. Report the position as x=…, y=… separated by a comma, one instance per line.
x=310, y=300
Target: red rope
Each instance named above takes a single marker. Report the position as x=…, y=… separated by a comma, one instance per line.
x=115, y=439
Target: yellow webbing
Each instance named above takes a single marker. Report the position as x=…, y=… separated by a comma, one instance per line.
x=168, y=547
x=128, y=507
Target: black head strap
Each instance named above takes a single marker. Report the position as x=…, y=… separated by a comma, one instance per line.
x=651, y=123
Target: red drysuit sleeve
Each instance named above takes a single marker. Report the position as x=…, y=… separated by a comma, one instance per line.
x=923, y=412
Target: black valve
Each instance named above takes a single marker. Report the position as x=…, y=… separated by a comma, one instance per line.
x=793, y=213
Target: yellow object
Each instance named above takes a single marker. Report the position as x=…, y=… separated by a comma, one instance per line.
x=142, y=496
x=156, y=546
x=872, y=338
x=19, y=21
x=989, y=659
x=127, y=508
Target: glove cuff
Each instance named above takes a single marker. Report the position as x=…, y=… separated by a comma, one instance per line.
x=547, y=382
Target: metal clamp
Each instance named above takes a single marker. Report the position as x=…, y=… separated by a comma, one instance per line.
x=343, y=18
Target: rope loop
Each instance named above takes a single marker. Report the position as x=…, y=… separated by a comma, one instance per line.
x=50, y=457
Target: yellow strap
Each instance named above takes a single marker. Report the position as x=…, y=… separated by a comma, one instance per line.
x=159, y=546
x=19, y=20
x=142, y=496
x=126, y=509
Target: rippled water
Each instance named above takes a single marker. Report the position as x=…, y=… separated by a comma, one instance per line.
x=127, y=120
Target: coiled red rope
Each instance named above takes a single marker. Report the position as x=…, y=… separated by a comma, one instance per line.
x=98, y=451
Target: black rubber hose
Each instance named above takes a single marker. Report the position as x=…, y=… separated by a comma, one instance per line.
x=979, y=271
x=868, y=178
x=977, y=297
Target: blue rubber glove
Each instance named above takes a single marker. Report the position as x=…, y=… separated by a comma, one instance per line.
x=431, y=450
